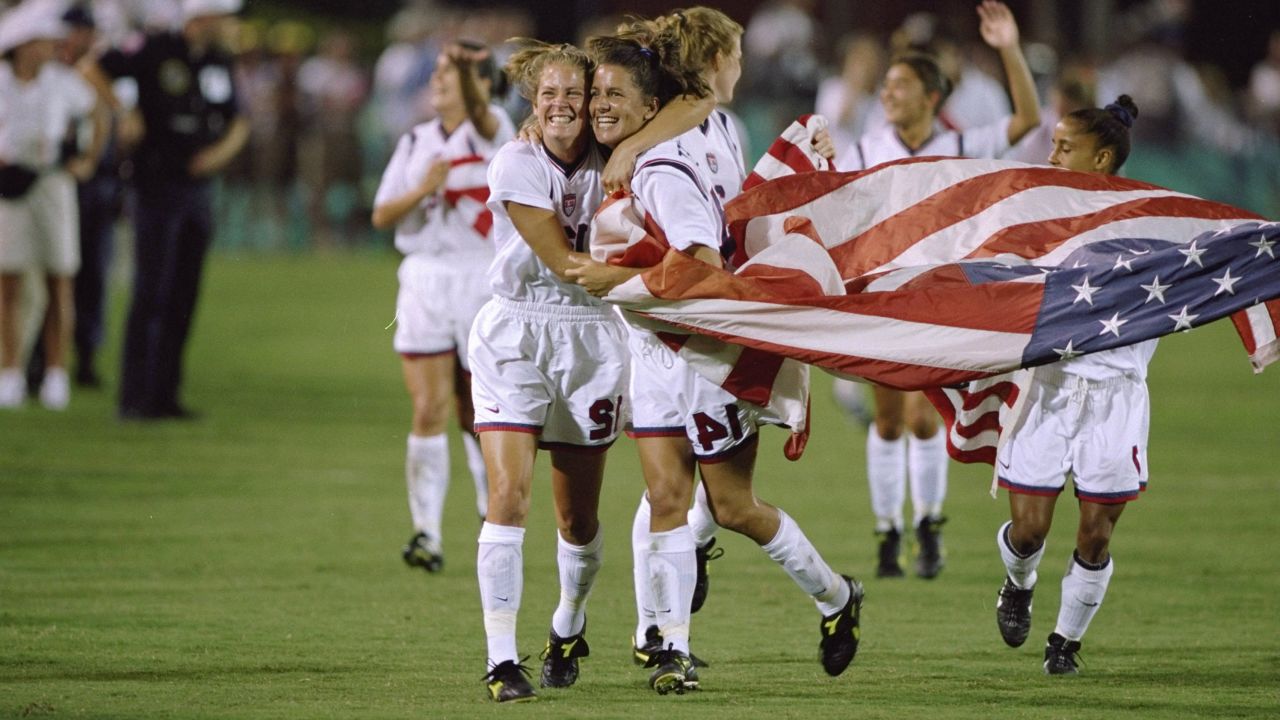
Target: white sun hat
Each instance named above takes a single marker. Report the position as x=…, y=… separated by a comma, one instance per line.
x=31, y=21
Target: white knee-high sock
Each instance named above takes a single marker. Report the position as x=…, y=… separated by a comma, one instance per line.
x=887, y=478
x=1083, y=588
x=500, y=570
x=426, y=471
x=672, y=574
x=578, y=566
x=793, y=551
x=701, y=522
x=640, y=570
x=479, y=475
x=1021, y=569
x=927, y=468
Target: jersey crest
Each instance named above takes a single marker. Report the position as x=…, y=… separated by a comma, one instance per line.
x=712, y=163
x=569, y=203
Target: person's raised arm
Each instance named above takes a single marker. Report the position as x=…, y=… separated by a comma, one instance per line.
x=675, y=118
x=1000, y=31
x=469, y=81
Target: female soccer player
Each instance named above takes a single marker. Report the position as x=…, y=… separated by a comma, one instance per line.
x=681, y=420
x=914, y=92
x=442, y=282
x=1087, y=417
x=550, y=368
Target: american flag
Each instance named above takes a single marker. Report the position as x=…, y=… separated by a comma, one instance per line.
x=950, y=273
x=466, y=190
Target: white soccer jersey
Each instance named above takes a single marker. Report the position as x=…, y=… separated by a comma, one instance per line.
x=721, y=160
x=438, y=227
x=883, y=145
x=670, y=185
x=529, y=175
x=35, y=115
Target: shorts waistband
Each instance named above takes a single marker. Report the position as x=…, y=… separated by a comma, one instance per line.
x=1058, y=378
x=562, y=313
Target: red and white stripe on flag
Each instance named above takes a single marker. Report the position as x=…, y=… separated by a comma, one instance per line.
x=856, y=273
x=467, y=189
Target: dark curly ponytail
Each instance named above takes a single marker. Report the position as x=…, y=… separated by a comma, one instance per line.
x=1110, y=125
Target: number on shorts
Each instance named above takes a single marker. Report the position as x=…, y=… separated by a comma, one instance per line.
x=605, y=413
x=711, y=430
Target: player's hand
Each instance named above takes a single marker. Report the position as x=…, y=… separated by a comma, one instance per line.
x=999, y=29
x=596, y=277
x=618, y=171
x=530, y=131
x=823, y=144
x=465, y=59
x=435, y=177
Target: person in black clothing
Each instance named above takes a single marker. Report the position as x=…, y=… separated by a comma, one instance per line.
x=193, y=130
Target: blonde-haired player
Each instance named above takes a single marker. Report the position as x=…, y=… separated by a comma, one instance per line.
x=550, y=368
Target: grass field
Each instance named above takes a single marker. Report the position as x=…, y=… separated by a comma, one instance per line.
x=246, y=565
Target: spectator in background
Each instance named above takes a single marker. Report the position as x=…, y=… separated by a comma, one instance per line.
x=780, y=61
x=849, y=100
x=38, y=214
x=399, y=108
x=1073, y=90
x=100, y=198
x=1263, y=98
x=193, y=130
x=332, y=89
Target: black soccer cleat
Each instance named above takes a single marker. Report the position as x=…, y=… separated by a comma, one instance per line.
x=652, y=644
x=1013, y=613
x=560, y=659
x=929, y=552
x=890, y=562
x=423, y=551
x=703, y=554
x=842, y=631
x=673, y=672
x=508, y=681
x=1061, y=656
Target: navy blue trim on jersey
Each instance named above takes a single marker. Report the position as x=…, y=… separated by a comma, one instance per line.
x=693, y=175
x=568, y=169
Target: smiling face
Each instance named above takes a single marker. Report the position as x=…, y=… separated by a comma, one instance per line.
x=561, y=105
x=1077, y=150
x=618, y=106
x=904, y=98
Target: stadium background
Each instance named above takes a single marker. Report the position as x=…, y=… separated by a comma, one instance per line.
x=246, y=566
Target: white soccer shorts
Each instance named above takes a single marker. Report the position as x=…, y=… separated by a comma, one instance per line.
x=437, y=304
x=1094, y=430
x=670, y=399
x=41, y=230
x=557, y=371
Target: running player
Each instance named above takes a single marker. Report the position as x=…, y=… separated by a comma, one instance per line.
x=680, y=420
x=915, y=89
x=1087, y=417
x=550, y=364
x=441, y=279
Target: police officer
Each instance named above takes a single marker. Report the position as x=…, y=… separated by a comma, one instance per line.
x=193, y=129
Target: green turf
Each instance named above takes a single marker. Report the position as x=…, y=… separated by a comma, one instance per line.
x=246, y=565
